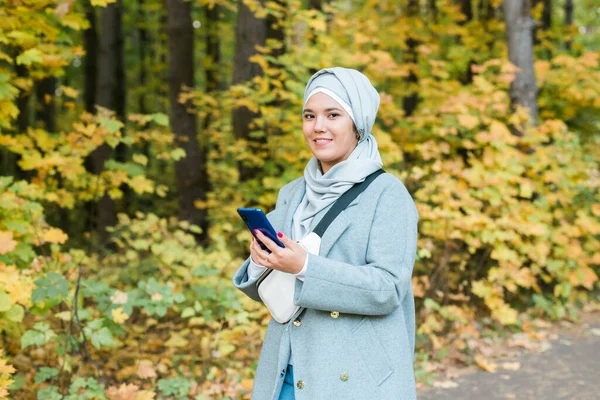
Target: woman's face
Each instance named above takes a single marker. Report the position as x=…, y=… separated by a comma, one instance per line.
x=328, y=130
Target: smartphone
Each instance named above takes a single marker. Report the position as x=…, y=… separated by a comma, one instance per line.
x=255, y=218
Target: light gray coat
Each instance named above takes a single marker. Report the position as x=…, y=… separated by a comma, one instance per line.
x=356, y=338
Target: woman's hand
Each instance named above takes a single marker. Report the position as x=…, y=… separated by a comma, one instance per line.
x=289, y=259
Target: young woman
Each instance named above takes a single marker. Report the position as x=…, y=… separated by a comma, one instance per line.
x=355, y=340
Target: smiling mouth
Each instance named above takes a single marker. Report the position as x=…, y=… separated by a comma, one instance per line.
x=323, y=141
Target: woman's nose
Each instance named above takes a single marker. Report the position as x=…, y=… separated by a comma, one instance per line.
x=320, y=124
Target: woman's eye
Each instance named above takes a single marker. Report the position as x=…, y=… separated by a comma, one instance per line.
x=308, y=116
x=334, y=115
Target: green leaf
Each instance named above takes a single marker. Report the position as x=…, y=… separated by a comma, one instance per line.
x=18, y=382
x=112, y=125
x=178, y=387
x=16, y=313
x=177, y=154
x=103, y=337
x=5, y=302
x=188, y=312
x=38, y=336
x=45, y=374
x=29, y=57
x=160, y=119
x=32, y=338
x=49, y=393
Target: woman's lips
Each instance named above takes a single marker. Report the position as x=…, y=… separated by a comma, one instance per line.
x=322, y=142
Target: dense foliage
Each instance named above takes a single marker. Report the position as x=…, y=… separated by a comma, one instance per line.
x=509, y=212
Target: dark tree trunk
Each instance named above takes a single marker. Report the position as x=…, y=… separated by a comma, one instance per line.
x=486, y=10
x=466, y=10
x=90, y=40
x=213, y=49
x=546, y=21
x=46, y=109
x=433, y=10
x=409, y=103
x=519, y=25
x=568, y=19
x=143, y=74
x=23, y=102
x=249, y=32
x=192, y=177
x=315, y=5
x=108, y=95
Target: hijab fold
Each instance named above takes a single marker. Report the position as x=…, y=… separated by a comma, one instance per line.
x=322, y=190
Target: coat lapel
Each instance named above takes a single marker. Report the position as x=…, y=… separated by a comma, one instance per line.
x=293, y=201
x=336, y=229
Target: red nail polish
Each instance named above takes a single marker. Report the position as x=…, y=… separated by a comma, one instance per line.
x=256, y=231
x=279, y=234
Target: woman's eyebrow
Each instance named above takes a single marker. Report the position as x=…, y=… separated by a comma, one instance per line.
x=327, y=109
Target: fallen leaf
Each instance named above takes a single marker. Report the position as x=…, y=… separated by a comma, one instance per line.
x=485, y=364
x=511, y=366
x=146, y=370
x=445, y=384
x=145, y=395
x=123, y=392
x=176, y=340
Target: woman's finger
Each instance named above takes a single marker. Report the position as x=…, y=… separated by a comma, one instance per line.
x=271, y=245
x=288, y=242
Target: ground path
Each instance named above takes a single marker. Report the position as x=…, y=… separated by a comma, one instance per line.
x=568, y=369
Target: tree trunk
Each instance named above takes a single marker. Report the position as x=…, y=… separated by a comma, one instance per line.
x=213, y=48
x=23, y=102
x=46, y=110
x=409, y=103
x=108, y=95
x=191, y=174
x=249, y=32
x=519, y=25
x=90, y=40
x=568, y=19
x=466, y=10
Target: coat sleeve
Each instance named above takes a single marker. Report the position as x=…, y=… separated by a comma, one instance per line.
x=379, y=286
x=241, y=279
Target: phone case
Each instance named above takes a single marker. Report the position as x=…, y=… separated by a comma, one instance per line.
x=255, y=218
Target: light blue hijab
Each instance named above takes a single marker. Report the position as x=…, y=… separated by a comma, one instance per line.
x=358, y=97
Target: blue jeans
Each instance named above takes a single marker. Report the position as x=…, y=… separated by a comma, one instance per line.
x=287, y=390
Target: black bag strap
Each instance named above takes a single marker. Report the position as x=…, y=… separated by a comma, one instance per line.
x=343, y=202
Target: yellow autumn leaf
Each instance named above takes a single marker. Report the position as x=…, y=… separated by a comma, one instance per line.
x=484, y=364
x=468, y=121
x=119, y=315
x=7, y=244
x=69, y=92
x=145, y=395
x=102, y=3
x=176, y=340
x=55, y=235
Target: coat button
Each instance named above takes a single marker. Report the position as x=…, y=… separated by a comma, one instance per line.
x=344, y=376
x=297, y=323
x=300, y=384
x=282, y=373
x=334, y=314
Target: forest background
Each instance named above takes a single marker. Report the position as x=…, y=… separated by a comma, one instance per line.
x=131, y=130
